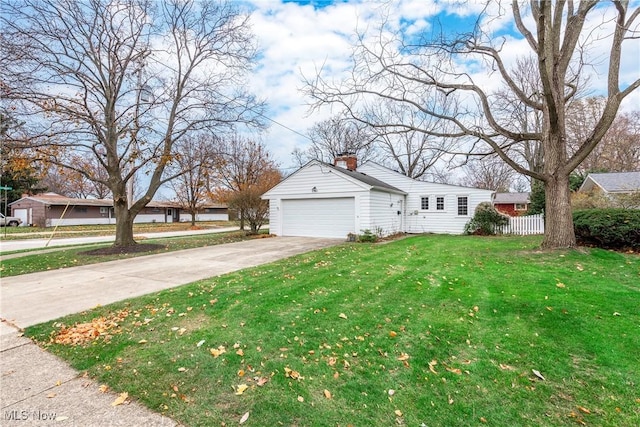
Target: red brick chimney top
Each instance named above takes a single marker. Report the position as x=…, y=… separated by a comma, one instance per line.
x=347, y=161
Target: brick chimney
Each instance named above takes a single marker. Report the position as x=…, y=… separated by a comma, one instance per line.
x=346, y=161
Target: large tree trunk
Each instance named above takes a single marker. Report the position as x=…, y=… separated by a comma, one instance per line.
x=193, y=218
x=124, y=223
x=558, y=232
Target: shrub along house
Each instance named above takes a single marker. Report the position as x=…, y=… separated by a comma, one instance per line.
x=51, y=209
x=324, y=200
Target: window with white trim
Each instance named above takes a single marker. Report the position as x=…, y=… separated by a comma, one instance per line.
x=424, y=203
x=463, y=205
x=440, y=203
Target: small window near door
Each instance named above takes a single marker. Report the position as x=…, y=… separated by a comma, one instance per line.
x=463, y=205
x=521, y=207
x=424, y=203
x=440, y=203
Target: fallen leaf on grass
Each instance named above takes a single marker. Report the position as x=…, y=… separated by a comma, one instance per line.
x=262, y=381
x=327, y=394
x=200, y=343
x=392, y=334
x=454, y=370
x=300, y=399
x=483, y=420
x=398, y=412
x=561, y=285
x=403, y=357
x=290, y=373
x=244, y=418
x=240, y=353
x=120, y=399
x=583, y=409
x=182, y=369
x=215, y=352
x=342, y=316
x=241, y=389
x=431, y=365
x=507, y=367
x=142, y=342
x=537, y=374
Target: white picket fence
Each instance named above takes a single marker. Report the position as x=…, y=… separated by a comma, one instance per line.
x=524, y=225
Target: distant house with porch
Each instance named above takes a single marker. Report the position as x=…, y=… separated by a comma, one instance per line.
x=51, y=209
x=512, y=204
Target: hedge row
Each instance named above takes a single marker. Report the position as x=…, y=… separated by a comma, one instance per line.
x=608, y=228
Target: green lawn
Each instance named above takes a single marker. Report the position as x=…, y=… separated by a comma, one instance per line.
x=429, y=330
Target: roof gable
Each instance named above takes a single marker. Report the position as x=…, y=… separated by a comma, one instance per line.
x=359, y=180
x=509, y=198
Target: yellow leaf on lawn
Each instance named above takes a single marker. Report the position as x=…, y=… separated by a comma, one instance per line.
x=300, y=399
x=507, y=367
x=241, y=389
x=432, y=364
x=215, y=352
x=403, y=356
x=583, y=409
x=241, y=373
x=342, y=316
x=142, y=342
x=240, y=353
x=120, y=399
x=327, y=394
x=455, y=370
x=398, y=412
x=392, y=334
x=561, y=285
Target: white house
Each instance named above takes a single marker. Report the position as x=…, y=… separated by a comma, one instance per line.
x=323, y=200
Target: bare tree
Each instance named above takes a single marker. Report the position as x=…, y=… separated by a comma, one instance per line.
x=196, y=157
x=619, y=150
x=122, y=82
x=243, y=172
x=337, y=135
x=490, y=173
x=410, y=151
x=557, y=34
x=71, y=183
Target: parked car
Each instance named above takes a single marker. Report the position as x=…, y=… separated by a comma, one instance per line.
x=11, y=221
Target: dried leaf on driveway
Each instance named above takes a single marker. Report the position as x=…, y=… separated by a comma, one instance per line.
x=120, y=399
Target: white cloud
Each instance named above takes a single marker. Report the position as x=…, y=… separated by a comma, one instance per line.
x=298, y=39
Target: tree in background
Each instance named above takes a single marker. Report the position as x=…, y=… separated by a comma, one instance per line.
x=242, y=173
x=124, y=82
x=18, y=169
x=196, y=158
x=405, y=68
x=334, y=136
x=71, y=183
x=489, y=173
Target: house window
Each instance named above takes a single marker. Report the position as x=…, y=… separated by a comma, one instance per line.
x=521, y=207
x=424, y=203
x=440, y=203
x=80, y=209
x=463, y=205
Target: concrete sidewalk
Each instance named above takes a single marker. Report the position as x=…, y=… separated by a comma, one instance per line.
x=36, y=387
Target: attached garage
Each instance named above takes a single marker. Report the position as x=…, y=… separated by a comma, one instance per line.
x=329, y=217
x=323, y=200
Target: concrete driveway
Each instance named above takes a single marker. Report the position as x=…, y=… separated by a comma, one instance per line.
x=30, y=299
x=37, y=388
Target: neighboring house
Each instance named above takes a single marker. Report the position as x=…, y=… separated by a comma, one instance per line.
x=612, y=183
x=51, y=209
x=324, y=200
x=512, y=204
x=621, y=188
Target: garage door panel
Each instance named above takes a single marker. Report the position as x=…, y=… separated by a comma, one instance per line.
x=334, y=217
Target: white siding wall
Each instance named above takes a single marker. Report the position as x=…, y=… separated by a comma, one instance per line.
x=79, y=221
x=431, y=220
x=383, y=209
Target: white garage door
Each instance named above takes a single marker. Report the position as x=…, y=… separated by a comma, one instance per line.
x=319, y=217
x=23, y=215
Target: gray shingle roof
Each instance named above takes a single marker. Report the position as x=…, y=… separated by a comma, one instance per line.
x=367, y=179
x=508, y=198
x=617, y=181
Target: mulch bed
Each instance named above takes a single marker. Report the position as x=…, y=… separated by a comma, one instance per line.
x=119, y=250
